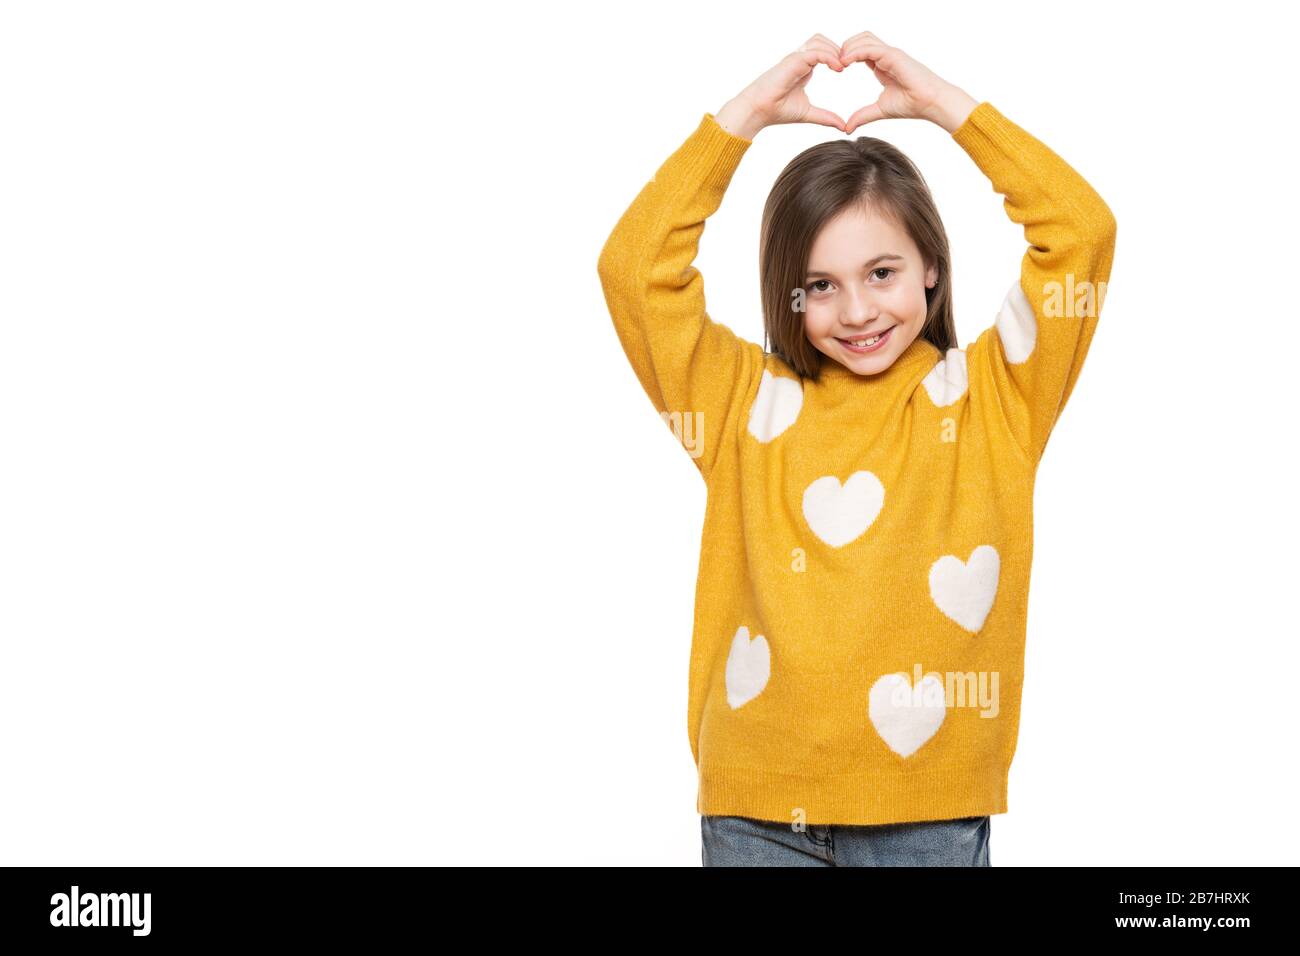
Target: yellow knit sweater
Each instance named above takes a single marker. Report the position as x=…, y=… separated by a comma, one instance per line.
x=864, y=572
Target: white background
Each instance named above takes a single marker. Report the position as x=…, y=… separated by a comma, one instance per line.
x=336, y=528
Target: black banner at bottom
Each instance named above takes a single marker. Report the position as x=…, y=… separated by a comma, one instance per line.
x=134, y=906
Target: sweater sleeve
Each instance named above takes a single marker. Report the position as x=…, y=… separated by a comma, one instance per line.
x=694, y=369
x=1035, y=348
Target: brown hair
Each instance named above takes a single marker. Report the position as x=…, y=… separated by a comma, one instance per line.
x=816, y=186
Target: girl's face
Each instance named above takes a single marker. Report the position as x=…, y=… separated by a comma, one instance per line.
x=865, y=277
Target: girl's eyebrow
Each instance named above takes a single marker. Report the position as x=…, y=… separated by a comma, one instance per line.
x=866, y=265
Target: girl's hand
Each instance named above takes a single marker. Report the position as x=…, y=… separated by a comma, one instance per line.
x=778, y=95
x=911, y=91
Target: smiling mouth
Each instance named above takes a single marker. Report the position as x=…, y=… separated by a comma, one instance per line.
x=863, y=344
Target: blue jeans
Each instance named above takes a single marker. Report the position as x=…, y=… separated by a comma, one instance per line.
x=743, y=841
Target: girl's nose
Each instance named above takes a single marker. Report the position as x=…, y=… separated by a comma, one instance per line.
x=858, y=306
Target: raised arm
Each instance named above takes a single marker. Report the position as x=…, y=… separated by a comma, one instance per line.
x=1033, y=351
x=694, y=369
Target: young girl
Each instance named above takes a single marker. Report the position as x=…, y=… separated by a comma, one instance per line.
x=858, y=649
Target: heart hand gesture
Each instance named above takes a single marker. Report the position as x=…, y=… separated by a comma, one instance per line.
x=911, y=91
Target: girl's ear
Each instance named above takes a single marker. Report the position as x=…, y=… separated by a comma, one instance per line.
x=931, y=277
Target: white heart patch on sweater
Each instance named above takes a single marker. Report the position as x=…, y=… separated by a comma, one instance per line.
x=948, y=380
x=1017, y=327
x=906, y=716
x=838, y=514
x=964, y=590
x=749, y=664
x=776, y=406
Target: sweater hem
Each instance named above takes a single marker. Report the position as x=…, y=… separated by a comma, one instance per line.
x=852, y=798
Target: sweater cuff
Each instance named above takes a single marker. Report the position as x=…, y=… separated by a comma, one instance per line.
x=712, y=121
x=712, y=153
x=984, y=134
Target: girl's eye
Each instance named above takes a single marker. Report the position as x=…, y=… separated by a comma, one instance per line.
x=816, y=283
